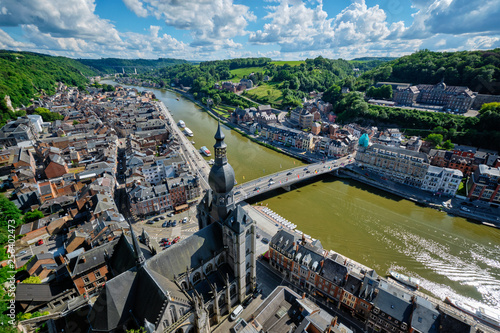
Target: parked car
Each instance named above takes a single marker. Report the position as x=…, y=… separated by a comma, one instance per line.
x=289, y=174
x=256, y=189
x=237, y=192
x=265, y=240
x=23, y=252
x=150, y=222
x=165, y=239
x=169, y=224
x=184, y=220
x=40, y=242
x=271, y=183
x=247, y=302
x=465, y=209
x=174, y=223
x=170, y=214
x=164, y=225
x=258, y=235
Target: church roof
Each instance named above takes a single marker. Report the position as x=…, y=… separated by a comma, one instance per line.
x=189, y=253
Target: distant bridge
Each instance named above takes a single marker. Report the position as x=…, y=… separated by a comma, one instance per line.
x=285, y=179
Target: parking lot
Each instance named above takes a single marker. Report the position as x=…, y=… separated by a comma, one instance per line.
x=157, y=229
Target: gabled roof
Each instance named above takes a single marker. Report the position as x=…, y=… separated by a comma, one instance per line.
x=93, y=258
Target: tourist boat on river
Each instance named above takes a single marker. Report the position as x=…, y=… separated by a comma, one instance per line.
x=188, y=132
x=409, y=281
x=488, y=315
x=181, y=124
x=204, y=150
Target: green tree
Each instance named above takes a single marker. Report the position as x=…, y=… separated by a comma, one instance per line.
x=217, y=99
x=75, y=122
x=48, y=116
x=448, y=145
x=33, y=279
x=435, y=139
x=32, y=216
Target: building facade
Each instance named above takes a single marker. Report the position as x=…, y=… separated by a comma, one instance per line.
x=485, y=184
x=400, y=165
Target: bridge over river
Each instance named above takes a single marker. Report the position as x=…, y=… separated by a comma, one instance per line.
x=286, y=178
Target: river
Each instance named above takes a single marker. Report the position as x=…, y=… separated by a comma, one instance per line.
x=452, y=256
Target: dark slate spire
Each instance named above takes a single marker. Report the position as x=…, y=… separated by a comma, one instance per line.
x=139, y=257
x=221, y=177
x=220, y=146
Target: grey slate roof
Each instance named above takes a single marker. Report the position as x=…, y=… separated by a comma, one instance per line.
x=333, y=270
x=93, y=258
x=43, y=292
x=425, y=317
x=394, y=302
x=199, y=247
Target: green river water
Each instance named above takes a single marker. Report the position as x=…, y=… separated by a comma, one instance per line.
x=452, y=256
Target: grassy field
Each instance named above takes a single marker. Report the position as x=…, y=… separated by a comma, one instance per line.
x=240, y=72
x=261, y=93
x=223, y=111
x=290, y=62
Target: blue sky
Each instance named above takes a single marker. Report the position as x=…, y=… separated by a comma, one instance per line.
x=222, y=29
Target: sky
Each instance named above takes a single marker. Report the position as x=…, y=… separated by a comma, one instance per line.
x=223, y=29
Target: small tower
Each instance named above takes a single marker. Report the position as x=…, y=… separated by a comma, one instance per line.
x=219, y=200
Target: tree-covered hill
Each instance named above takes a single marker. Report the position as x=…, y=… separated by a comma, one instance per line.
x=24, y=75
x=114, y=65
x=478, y=70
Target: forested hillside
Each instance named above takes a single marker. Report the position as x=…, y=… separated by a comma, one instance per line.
x=24, y=75
x=114, y=65
x=478, y=70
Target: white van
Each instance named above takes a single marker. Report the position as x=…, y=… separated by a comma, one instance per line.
x=236, y=313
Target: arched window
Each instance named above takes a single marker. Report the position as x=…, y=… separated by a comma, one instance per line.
x=196, y=277
x=184, y=285
x=248, y=265
x=209, y=269
x=220, y=260
x=248, y=278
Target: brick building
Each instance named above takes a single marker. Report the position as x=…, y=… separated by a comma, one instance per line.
x=485, y=184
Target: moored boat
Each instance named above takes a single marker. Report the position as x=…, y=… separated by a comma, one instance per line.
x=409, y=281
x=488, y=315
x=204, y=150
x=188, y=132
x=181, y=124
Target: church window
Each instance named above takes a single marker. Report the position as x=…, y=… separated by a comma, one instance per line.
x=220, y=260
x=209, y=269
x=196, y=277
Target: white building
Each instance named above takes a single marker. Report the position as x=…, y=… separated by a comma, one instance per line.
x=442, y=180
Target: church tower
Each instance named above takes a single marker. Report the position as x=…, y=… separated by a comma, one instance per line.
x=238, y=230
x=219, y=200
